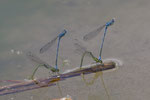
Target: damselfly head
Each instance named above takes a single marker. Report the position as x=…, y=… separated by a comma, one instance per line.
x=62, y=34
x=110, y=22
x=113, y=20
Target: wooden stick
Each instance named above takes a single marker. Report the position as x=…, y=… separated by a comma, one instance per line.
x=40, y=83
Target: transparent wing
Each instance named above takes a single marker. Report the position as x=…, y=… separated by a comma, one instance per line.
x=34, y=58
x=48, y=45
x=81, y=49
x=93, y=33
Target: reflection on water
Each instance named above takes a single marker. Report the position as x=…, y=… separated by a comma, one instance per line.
x=98, y=74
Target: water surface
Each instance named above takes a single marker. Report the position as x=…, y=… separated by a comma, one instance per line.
x=28, y=25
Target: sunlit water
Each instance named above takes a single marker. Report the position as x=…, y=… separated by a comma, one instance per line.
x=28, y=25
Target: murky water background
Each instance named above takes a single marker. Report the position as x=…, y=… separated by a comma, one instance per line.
x=28, y=25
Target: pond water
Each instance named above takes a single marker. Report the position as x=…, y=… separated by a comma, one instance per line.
x=28, y=25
